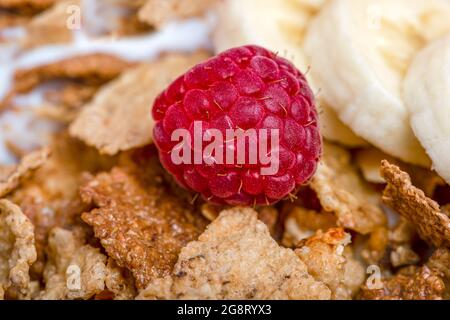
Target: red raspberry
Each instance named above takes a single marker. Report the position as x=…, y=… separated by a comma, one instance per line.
x=249, y=88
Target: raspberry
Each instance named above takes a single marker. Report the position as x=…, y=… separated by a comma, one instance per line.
x=247, y=88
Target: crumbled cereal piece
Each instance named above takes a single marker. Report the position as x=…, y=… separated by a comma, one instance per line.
x=11, y=177
x=427, y=282
x=425, y=214
x=119, y=282
x=236, y=258
x=302, y=223
x=139, y=223
x=73, y=270
x=119, y=117
x=414, y=283
x=376, y=246
x=403, y=255
x=50, y=196
x=342, y=191
x=17, y=251
x=267, y=214
x=402, y=233
x=157, y=13
x=325, y=258
x=400, y=240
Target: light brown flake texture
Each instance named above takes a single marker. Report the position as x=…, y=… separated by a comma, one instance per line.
x=73, y=270
x=329, y=259
x=91, y=69
x=17, y=251
x=11, y=177
x=26, y=5
x=342, y=191
x=411, y=203
x=50, y=26
x=157, y=13
x=119, y=281
x=236, y=258
x=50, y=196
x=301, y=223
x=119, y=117
x=140, y=225
x=428, y=282
x=76, y=270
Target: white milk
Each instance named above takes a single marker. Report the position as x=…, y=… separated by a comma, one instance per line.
x=29, y=132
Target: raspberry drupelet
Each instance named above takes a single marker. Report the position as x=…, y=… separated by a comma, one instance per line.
x=243, y=88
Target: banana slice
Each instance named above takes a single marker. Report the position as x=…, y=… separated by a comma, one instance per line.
x=427, y=95
x=334, y=130
x=279, y=25
x=359, y=52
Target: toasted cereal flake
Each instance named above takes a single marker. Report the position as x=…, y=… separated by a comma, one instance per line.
x=403, y=255
x=119, y=282
x=8, y=19
x=26, y=5
x=376, y=246
x=236, y=258
x=267, y=214
x=440, y=260
x=413, y=283
x=400, y=240
x=325, y=258
x=18, y=12
x=50, y=197
x=73, y=270
x=157, y=13
x=51, y=26
x=11, y=177
x=119, y=117
x=302, y=223
x=17, y=250
x=427, y=282
x=411, y=203
x=369, y=160
x=80, y=78
x=92, y=70
x=139, y=223
x=73, y=96
x=57, y=113
x=6, y=171
x=342, y=191
x=402, y=233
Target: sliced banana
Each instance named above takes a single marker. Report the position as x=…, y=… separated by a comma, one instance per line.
x=334, y=130
x=279, y=25
x=427, y=95
x=359, y=52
